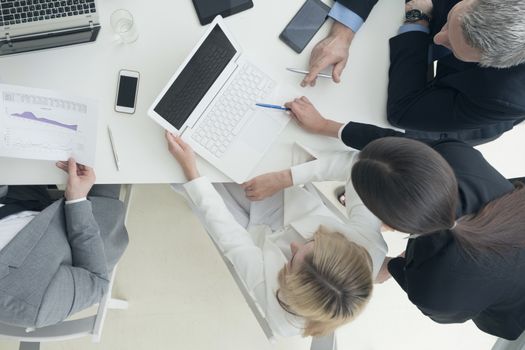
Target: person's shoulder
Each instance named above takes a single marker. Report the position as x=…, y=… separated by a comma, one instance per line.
x=447, y=143
x=438, y=271
x=441, y=273
x=453, y=149
x=463, y=158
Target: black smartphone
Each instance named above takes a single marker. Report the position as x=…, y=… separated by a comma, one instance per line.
x=128, y=84
x=305, y=24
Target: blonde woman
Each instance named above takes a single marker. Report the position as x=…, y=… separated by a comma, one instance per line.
x=309, y=272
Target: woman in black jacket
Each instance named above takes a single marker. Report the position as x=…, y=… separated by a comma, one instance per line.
x=466, y=256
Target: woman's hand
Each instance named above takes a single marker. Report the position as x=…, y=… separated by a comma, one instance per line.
x=384, y=274
x=266, y=185
x=309, y=118
x=184, y=155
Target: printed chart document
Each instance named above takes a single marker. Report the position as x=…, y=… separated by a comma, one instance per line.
x=48, y=125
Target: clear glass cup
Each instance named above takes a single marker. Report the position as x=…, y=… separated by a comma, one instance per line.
x=124, y=26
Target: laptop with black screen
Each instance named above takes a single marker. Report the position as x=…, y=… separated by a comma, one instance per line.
x=210, y=101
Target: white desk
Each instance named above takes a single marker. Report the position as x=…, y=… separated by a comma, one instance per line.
x=168, y=30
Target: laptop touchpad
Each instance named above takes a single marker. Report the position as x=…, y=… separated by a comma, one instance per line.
x=260, y=131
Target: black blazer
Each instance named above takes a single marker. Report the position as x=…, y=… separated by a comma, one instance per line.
x=438, y=277
x=479, y=103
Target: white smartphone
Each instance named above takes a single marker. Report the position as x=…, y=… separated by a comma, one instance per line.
x=127, y=88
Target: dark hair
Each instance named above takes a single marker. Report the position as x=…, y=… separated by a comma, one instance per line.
x=412, y=188
x=498, y=226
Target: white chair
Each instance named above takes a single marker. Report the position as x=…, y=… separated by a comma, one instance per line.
x=318, y=343
x=30, y=338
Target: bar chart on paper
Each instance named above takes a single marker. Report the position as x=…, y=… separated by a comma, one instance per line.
x=39, y=124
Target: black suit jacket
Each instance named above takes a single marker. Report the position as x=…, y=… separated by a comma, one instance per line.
x=438, y=276
x=478, y=103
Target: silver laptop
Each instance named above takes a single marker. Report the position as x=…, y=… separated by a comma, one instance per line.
x=29, y=25
x=211, y=101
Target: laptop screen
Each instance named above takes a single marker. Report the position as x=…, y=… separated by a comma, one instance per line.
x=196, y=78
x=45, y=41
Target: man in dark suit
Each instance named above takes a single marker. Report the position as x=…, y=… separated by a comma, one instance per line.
x=478, y=91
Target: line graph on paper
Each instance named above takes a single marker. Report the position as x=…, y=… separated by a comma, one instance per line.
x=40, y=123
x=31, y=116
x=47, y=125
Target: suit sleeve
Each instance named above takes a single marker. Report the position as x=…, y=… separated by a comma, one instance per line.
x=3, y=191
x=76, y=287
x=335, y=167
x=396, y=267
x=367, y=226
x=338, y=165
x=232, y=238
x=414, y=103
x=362, y=8
x=428, y=297
x=358, y=135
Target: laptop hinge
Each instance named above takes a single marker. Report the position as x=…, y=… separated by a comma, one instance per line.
x=91, y=25
x=8, y=39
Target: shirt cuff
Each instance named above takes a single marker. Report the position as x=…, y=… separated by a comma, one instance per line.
x=413, y=27
x=302, y=173
x=76, y=200
x=340, y=132
x=346, y=17
x=198, y=185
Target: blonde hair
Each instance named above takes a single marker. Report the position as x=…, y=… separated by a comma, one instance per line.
x=330, y=287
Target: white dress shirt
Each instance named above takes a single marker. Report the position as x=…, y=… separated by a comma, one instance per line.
x=11, y=225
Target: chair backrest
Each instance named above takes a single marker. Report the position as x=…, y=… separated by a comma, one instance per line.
x=70, y=329
x=248, y=297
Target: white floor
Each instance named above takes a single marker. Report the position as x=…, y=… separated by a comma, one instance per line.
x=182, y=297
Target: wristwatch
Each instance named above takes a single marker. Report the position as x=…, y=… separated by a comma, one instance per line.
x=416, y=15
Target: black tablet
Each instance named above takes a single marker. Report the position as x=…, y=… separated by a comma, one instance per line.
x=208, y=9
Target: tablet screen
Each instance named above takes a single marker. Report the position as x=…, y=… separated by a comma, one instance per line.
x=208, y=9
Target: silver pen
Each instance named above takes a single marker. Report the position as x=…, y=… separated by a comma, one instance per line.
x=305, y=72
x=113, y=148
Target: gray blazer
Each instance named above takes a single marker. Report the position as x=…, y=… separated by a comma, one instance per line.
x=61, y=261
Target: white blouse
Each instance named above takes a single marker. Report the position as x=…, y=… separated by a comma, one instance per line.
x=258, y=254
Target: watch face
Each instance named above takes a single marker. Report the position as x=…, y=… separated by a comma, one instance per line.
x=413, y=15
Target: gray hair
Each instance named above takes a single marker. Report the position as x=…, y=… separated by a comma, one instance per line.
x=497, y=29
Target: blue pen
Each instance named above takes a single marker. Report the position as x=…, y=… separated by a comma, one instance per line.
x=265, y=105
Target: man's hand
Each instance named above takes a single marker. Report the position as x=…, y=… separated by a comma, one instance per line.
x=81, y=179
x=333, y=50
x=308, y=118
x=184, y=155
x=266, y=185
x=426, y=6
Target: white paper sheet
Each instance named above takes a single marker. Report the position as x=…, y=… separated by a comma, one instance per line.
x=48, y=125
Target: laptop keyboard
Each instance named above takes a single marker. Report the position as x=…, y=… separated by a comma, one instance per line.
x=229, y=114
x=28, y=11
